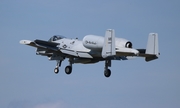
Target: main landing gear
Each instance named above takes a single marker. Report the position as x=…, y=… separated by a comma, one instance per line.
x=68, y=69
x=107, y=72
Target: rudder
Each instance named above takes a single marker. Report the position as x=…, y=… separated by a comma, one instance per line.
x=109, y=44
x=152, y=47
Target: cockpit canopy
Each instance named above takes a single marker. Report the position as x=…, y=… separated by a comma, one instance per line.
x=56, y=37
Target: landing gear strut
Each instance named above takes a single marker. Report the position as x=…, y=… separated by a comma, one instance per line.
x=56, y=70
x=107, y=72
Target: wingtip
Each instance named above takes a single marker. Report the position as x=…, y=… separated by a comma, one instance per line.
x=25, y=42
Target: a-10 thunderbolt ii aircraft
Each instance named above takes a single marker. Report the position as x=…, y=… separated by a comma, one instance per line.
x=93, y=49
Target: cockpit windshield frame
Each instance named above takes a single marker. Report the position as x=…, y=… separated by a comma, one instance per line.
x=56, y=37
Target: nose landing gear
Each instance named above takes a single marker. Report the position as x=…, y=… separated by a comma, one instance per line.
x=56, y=70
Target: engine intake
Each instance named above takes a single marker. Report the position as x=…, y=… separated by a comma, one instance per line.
x=128, y=45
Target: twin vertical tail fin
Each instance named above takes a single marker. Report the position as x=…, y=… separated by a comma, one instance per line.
x=109, y=44
x=150, y=53
x=152, y=47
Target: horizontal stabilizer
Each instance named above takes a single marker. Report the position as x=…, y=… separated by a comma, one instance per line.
x=127, y=52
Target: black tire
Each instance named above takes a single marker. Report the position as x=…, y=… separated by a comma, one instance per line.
x=56, y=70
x=107, y=73
x=68, y=70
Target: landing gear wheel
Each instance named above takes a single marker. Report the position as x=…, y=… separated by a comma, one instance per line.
x=56, y=70
x=68, y=69
x=107, y=73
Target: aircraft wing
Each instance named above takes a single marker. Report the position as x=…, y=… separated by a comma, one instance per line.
x=41, y=44
x=48, y=48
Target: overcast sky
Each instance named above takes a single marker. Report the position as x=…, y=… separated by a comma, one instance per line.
x=28, y=80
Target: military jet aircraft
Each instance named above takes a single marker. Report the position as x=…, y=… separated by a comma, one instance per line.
x=93, y=49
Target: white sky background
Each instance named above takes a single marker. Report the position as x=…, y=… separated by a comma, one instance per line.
x=28, y=81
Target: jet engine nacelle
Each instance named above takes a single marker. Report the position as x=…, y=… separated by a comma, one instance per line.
x=93, y=42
